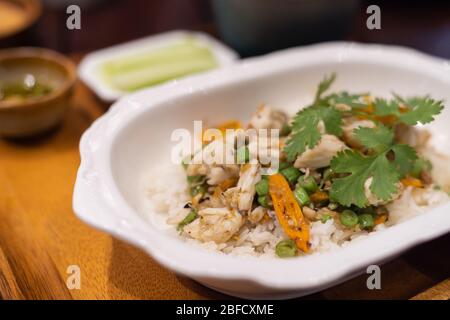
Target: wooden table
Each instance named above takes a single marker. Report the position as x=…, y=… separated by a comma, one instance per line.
x=40, y=235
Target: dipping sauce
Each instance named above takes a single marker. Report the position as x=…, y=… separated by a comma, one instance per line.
x=29, y=88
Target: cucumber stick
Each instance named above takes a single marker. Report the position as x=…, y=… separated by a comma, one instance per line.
x=157, y=66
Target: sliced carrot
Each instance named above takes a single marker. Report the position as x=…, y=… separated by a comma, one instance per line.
x=380, y=219
x=227, y=183
x=318, y=196
x=288, y=212
x=368, y=109
x=231, y=124
x=412, y=182
x=390, y=119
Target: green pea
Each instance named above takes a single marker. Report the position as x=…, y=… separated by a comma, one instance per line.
x=242, y=155
x=366, y=221
x=285, y=130
x=309, y=184
x=286, y=249
x=348, y=218
x=264, y=201
x=302, y=196
x=291, y=174
x=262, y=187
x=191, y=216
x=198, y=189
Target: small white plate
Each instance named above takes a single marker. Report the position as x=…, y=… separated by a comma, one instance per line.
x=135, y=135
x=89, y=66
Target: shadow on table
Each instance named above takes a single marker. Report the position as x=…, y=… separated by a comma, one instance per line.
x=135, y=273
x=138, y=276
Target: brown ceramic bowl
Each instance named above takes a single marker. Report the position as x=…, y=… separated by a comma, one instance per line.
x=32, y=115
x=17, y=16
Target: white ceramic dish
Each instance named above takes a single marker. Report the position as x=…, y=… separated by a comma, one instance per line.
x=89, y=66
x=135, y=134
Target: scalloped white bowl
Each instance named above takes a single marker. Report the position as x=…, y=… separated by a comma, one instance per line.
x=134, y=135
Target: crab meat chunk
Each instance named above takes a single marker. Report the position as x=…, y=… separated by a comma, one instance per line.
x=215, y=224
x=267, y=118
x=241, y=196
x=320, y=156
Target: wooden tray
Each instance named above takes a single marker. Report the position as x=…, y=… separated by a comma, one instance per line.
x=40, y=237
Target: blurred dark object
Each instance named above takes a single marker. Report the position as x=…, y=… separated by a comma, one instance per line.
x=17, y=21
x=420, y=24
x=255, y=27
x=108, y=22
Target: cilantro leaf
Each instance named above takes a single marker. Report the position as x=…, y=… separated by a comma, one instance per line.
x=305, y=129
x=350, y=189
x=384, y=171
x=384, y=107
x=332, y=120
x=324, y=85
x=409, y=111
x=378, y=139
x=421, y=109
x=404, y=158
x=351, y=100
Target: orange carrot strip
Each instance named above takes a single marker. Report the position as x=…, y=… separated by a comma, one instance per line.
x=412, y=182
x=231, y=124
x=228, y=183
x=380, y=219
x=319, y=196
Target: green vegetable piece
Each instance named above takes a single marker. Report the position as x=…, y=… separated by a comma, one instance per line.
x=410, y=111
x=309, y=184
x=199, y=179
x=285, y=130
x=262, y=187
x=191, y=216
x=291, y=174
x=385, y=173
x=366, y=221
x=264, y=201
x=199, y=189
x=302, y=196
x=328, y=174
x=242, y=155
x=325, y=218
x=286, y=249
x=419, y=166
x=348, y=218
x=283, y=165
x=305, y=130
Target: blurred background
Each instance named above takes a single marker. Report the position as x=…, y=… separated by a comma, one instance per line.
x=250, y=26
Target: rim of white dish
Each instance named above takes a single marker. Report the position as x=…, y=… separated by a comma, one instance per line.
x=88, y=67
x=98, y=202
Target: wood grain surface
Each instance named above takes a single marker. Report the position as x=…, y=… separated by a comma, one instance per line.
x=40, y=235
